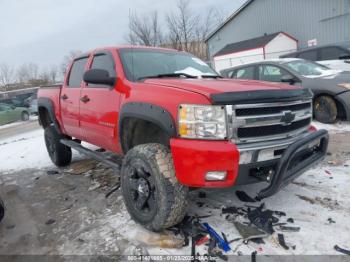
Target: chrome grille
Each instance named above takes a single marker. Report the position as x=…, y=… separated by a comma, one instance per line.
x=268, y=121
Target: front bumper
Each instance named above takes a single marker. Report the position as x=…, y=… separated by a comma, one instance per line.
x=194, y=158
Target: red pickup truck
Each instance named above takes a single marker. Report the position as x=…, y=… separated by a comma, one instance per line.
x=179, y=125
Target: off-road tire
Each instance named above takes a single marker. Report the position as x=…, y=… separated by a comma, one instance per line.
x=2, y=210
x=25, y=116
x=325, y=109
x=61, y=155
x=170, y=197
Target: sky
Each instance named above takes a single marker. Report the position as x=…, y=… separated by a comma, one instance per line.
x=44, y=31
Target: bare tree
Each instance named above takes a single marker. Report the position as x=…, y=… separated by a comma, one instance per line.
x=28, y=72
x=6, y=74
x=68, y=59
x=181, y=25
x=144, y=30
x=53, y=74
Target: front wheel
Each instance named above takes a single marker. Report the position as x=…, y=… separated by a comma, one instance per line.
x=61, y=155
x=325, y=109
x=152, y=194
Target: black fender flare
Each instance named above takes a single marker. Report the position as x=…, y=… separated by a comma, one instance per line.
x=149, y=112
x=44, y=102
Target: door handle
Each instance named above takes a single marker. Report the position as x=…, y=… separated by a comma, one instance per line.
x=85, y=99
x=64, y=97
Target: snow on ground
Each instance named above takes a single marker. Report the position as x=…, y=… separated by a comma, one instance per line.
x=338, y=127
x=316, y=196
x=24, y=151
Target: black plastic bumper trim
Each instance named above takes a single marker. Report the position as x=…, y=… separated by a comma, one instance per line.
x=285, y=173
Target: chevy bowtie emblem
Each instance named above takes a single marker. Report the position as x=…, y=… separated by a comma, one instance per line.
x=287, y=117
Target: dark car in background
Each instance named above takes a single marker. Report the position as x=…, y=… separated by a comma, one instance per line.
x=336, y=56
x=331, y=88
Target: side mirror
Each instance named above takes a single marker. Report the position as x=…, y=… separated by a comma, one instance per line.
x=13, y=107
x=288, y=79
x=99, y=76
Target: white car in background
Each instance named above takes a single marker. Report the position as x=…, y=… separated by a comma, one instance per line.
x=335, y=56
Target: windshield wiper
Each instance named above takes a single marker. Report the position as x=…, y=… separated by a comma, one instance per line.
x=211, y=76
x=167, y=75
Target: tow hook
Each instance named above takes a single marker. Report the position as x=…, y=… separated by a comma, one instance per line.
x=263, y=174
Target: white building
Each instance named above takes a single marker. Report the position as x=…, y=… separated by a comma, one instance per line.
x=254, y=50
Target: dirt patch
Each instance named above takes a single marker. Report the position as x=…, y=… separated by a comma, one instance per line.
x=324, y=202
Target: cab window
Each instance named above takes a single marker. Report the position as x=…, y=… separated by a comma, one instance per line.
x=105, y=62
x=76, y=73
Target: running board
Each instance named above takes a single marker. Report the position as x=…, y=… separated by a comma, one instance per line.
x=99, y=156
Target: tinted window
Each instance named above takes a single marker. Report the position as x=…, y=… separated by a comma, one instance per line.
x=4, y=107
x=271, y=73
x=76, y=73
x=332, y=53
x=103, y=62
x=309, y=55
x=244, y=73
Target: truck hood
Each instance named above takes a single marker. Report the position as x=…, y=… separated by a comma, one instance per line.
x=208, y=87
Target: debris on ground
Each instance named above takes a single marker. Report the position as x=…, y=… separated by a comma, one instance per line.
x=82, y=166
x=282, y=242
x=163, y=240
x=52, y=172
x=249, y=232
x=262, y=219
x=342, y=250
x=50, y=221
x=112, y=190
x=330, y=220
x=244, y=197
x=289, y=229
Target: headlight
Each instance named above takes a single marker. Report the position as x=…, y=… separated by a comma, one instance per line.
x=345, y=85
x=202, y=122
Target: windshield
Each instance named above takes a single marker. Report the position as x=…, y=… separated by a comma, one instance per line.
x=143, y=63
x=308, y=68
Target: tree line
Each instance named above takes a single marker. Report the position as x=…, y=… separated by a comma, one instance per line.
x=181, y=29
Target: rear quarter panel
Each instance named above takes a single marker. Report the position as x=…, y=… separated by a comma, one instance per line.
x=53, y=93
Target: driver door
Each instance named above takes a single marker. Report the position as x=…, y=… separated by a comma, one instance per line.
x=99, y=106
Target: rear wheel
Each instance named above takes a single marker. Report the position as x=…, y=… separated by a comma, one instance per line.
x=61, y=155
x=152, y=194
x=325, y=109
x=25, y=116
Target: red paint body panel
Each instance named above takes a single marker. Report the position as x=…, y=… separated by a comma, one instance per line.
x=96, y=121
x=194, y=158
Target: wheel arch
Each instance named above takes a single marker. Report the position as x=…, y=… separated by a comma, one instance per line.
x=136, y=117
x=340, y=107
x=46, y=113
